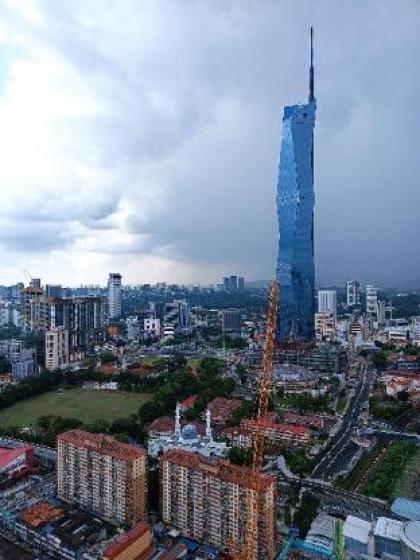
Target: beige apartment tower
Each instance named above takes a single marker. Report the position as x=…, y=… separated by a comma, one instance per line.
x=206, y=499
x=103, y=475
x=57, y=353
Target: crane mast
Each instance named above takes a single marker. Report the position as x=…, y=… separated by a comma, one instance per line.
x=253, y=497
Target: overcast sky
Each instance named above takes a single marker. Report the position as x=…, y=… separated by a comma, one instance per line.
x=143, y=137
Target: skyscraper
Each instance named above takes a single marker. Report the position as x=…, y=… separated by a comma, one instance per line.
x=353, y=293
x=295, y=209
x=327, y=302
x=114, y=295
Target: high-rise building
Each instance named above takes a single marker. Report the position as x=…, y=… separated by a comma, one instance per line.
x=241, y=283
x=295, y=208
x=381, y=312
x=84, y=318
x=353, y=293
x=231, y=321
x=114, y=295
x=327, y=302
x=206, y=499
x=102, y=475
x=57, y=354
x=35, y=283
x=371, y=300
x=177, y=318
x=233, y=283
x=325, y=326
x=54, y=290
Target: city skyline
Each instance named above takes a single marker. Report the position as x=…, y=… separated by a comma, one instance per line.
x=128, y=152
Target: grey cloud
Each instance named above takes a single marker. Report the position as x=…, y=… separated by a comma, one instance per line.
x=191, y=134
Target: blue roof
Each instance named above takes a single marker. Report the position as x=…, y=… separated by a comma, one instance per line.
x=408, y=509
x=191, y=545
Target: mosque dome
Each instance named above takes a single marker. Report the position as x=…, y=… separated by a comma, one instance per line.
x=189, y=432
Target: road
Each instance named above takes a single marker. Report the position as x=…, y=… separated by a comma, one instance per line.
x=340, y=450
x=338, y=501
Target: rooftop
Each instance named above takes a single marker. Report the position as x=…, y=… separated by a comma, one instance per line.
x=122, y=542
x=220, y=468
x=8, y=455
x=102, y=444
x=357, y=529
x=40, y=514
x=285, y=428
x=407, y=509
x=388, y=528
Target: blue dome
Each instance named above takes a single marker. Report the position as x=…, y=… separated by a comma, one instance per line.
x=189, y=432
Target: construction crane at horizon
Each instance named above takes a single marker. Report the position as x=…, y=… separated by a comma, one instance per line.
x=258, y=435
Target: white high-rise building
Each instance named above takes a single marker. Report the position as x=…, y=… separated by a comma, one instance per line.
x=57, y=354
x=371, y=300
x=381, y=312
x=114, y=295
x=327, y=302
x=353, y=293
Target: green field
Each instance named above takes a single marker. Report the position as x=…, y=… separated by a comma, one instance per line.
x=86, y=405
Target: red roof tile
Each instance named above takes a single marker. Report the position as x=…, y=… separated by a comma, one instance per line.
x=220, y=468
x=103, y=444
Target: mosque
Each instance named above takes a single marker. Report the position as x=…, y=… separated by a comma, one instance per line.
x=188, y=439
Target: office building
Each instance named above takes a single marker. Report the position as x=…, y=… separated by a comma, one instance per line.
x=25, y=365
x=151, y=327
x=57, y=352
x=54, y=290
x=206, y=499
x=295, y=208
x=327, y=302
x=233, y=283
x=177, y=318
x=386, y=536
x=357, y=536
x=231, y=322
x=353, y=293
x=371, y=301
x=102, y=475
x=114, y=296
x=35, y=283
x=381, y=312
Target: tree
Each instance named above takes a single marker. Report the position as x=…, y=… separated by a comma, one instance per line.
x=240, y=456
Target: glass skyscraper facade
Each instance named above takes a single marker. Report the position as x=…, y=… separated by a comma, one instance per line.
x=295, y=209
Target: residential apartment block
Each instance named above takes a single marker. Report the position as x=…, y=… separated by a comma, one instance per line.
x=103, y=475
x=57, y=353
x=206, y=499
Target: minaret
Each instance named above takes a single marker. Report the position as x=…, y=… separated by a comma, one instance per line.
x=311, y=71
x=177, y=420
x=209, y=435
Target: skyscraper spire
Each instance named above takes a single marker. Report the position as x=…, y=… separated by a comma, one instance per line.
x=311, y=71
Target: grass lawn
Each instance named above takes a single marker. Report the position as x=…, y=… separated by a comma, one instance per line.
x=86, y=405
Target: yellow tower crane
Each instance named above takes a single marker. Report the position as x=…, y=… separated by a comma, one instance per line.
x=253, y=497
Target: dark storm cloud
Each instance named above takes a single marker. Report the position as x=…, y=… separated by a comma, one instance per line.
x=188, y=129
